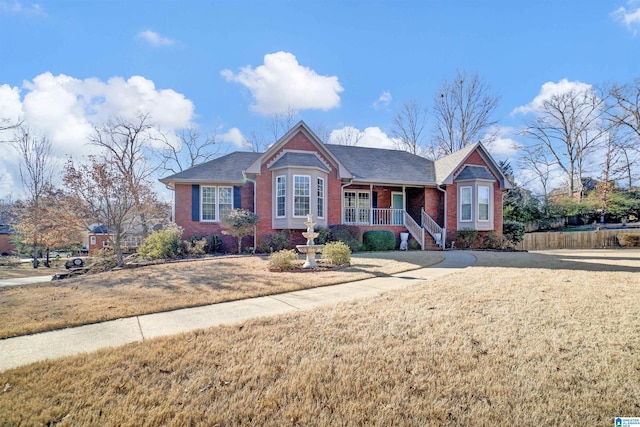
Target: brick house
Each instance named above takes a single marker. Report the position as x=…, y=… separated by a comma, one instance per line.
x=367, y=187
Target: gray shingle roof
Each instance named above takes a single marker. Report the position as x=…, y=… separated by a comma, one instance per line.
x=300, y=160
x=384, y=166
x=223, y=169
x=474, y=172
x=447, y=165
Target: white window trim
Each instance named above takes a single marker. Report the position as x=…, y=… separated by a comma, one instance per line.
x=488, y=203
x=217, y=203
x=357, y=206
x=293, y=198
x=321, y=196
x=284, y=179
x=470, y=203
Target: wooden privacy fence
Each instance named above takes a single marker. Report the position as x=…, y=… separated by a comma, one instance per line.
x=573, y=239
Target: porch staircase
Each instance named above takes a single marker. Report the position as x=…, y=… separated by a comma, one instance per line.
x=429, y=234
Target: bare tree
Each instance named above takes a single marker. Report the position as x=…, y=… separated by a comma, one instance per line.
x=348, y=135
x=101, y=194
x=190, y=150
x=624, y=113
x=536, y=159
x=255, y=142
x=462, y=111
x=124, y=144
x=36, y=172
x=408, y=126
x=281, y=123
x=569, y=126
x=322, y=131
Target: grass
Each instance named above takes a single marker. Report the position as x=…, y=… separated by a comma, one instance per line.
x=124, y=293
x=10, y=269
x=520, y=339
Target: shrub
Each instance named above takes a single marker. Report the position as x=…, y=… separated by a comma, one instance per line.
x=283, y=260
x=161, y=244
x=324, y=235
x=488, y=240
x=379, y=240
x=195, y=246
x=337, y=253
x=628, y=240
x=213, y=243
x=275, y=242
x=465, y=238
x=239, y=223
x=513, y=232
x=413, y=244
x=348, y=234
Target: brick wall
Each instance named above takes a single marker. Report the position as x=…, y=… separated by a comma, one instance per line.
x=6, y=247
x=452, y=202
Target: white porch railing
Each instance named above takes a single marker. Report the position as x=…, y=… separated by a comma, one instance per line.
x=373, y=216
x=414, y=229
x=437, y=232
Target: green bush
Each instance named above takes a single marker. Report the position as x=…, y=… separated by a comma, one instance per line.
x=465, y=238
x=161, y=244
x=337, y=253
x=283, y=260
x=274, y=242
x=513, y=232
x=628, y=240
x=379, y=240
x=194, y=247
x=324, y=235
x=350, y=235
x=213, y=243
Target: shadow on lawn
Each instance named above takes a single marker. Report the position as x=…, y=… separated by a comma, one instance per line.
x=608, y=261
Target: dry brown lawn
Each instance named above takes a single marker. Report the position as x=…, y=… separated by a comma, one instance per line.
x=520, y=339
x=15, y=270
x=112, y=295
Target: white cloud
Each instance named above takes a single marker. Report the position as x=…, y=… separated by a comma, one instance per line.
x=547, y=91
x=234, y=136
x=155, y=39
x=17, y=7
x=629, y=16
x=502, y=144
x=282, y=84
x=370, y=137
x=383, y=100
x=64, y=109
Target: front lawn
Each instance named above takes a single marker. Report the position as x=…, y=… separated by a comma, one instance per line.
x=131, y=292
x=520, y=339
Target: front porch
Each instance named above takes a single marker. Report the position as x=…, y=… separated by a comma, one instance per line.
x=392, y=217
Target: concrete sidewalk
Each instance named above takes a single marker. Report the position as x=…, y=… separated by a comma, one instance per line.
x=19, y=351
x=25, y=280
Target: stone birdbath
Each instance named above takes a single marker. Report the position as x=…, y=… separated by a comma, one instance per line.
x=310, y=249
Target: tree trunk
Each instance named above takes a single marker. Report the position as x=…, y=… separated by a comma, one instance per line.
x=35, y=255
x=46, y=260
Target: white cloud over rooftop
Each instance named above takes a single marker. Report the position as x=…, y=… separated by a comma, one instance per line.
x=282, y=84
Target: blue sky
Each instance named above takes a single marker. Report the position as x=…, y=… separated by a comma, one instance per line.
x=227, y=66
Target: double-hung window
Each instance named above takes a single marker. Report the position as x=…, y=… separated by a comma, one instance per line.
x=216, y=202
x=483, y=203
x=301, y=195
x=320, y=193
x=465, y=204
x=281, y=196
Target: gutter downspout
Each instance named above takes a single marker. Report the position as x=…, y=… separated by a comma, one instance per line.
x=255, y=208
x=444, y=229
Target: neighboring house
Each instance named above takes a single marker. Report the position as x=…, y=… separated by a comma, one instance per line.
x=367, y=187
x=579, y=191
x=6, y=247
